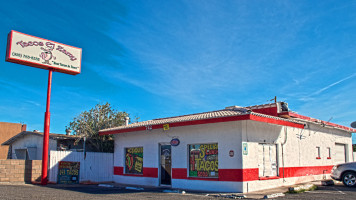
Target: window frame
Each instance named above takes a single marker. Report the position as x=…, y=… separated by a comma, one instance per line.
x=125, y=166
x=188, y=156
x=328, y=152
x=318, y=153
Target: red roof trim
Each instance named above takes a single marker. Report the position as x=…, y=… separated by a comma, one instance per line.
x=295, y=115
x=142, y=128
x=208, y=121
x=267, y=111
x=276, y=121
x=177, y=124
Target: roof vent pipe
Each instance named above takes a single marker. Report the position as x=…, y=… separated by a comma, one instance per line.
x=127, y=119
x=68, y=131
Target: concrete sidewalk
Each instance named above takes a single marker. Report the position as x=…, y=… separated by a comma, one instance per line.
x=273, y=192
x=268, y=193
x=261, y=194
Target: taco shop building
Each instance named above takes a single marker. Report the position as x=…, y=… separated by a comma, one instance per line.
x=231, y=150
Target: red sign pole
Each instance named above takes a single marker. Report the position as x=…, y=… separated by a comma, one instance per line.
x=44, y=178
x=40, y=57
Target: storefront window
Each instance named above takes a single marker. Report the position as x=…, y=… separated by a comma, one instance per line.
x=134, y=160
x=203, y=160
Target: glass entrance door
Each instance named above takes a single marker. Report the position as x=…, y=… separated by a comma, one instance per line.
x=166, y=164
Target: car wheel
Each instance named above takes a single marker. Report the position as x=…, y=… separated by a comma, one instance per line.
x=349, y=179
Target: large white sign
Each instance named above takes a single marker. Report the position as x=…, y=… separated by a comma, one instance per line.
x=41, y=53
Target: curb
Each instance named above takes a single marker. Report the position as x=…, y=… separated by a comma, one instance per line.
x=270, y=196
x=228, y=196
x=295, y=189
x=300, y=187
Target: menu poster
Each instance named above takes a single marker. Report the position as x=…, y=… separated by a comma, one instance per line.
x=68, y=172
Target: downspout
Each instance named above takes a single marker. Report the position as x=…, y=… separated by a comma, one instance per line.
x=282, y=144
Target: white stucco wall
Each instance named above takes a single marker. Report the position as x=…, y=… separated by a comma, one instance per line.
x=315, y=136
x=227, y=135
x=33, y=141
x=298, y=151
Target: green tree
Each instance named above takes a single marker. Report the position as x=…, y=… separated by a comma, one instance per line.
x=88, y=124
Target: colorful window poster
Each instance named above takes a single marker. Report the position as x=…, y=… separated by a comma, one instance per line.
x=203, y=160
x=134, y=160
x=68, y=172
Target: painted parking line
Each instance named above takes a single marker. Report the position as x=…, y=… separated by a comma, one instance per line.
x=325, y=192
x=339, y=191
x=320, y=192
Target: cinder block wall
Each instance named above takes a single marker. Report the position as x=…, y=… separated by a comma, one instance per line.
x=28, y=171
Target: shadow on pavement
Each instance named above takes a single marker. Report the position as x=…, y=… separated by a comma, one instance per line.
x=95, y=189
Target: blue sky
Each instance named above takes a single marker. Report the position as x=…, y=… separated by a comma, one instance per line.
x=165, y=58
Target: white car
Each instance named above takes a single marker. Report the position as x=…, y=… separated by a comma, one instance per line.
x=346, y=173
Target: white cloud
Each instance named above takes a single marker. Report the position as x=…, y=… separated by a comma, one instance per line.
x=333, y=84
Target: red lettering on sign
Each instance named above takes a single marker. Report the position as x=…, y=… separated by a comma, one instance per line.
x=202, y=174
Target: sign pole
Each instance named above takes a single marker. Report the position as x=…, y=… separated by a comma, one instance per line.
x=44, y=177
x=37, y=52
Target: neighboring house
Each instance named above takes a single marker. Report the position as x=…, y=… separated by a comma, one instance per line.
x=7, y=130
x=28, y=145
x=231, y=150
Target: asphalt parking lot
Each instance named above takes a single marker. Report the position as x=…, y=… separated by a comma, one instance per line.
x=85, y=192
x=337, y=191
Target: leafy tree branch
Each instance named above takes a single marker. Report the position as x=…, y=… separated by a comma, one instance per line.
x=102, y=116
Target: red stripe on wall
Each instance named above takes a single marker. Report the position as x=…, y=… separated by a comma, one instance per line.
x=237, y=175
x=304, y=171
x=118, y=170
x=179, y=173
x=149, y=172
x=251, y=174
x=233, y=175
x=230, y=175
